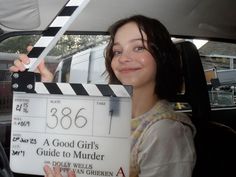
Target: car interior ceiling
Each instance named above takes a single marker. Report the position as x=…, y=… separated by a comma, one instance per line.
x=185, y=17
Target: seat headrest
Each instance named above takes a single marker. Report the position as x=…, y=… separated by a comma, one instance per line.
x=196, y=91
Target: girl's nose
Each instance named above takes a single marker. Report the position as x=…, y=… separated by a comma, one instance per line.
x=125, y=57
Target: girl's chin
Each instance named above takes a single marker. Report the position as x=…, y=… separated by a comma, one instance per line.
x=128, y=82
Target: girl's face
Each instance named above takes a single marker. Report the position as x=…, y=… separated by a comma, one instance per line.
x=132, y=62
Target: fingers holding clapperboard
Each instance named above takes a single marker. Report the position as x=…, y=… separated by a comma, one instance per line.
x=23, y=60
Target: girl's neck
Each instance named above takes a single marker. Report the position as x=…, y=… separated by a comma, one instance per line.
x=142, y=101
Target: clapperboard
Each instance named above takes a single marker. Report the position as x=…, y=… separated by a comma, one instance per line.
x=81, y=127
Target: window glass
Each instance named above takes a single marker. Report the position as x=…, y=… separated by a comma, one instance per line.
x=219, y=62
x=66, y=47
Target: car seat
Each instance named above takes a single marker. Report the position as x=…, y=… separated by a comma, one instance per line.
x=4, y=164
x=214, y=142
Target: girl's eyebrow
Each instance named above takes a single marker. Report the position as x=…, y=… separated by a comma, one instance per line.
x=131, y=41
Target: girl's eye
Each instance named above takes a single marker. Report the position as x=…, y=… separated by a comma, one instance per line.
x=139, y=48
x=116, y=53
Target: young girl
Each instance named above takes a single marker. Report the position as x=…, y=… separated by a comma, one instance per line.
x=140, y=53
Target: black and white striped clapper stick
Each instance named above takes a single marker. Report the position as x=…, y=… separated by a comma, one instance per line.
x=107, y=90
x=54, y=31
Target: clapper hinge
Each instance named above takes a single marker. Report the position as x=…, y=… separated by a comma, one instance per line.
x=24, y=81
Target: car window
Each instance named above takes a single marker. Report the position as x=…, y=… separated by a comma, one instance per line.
x=66, y=47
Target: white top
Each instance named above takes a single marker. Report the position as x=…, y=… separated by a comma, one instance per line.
x=167, y=150
x=162, y=143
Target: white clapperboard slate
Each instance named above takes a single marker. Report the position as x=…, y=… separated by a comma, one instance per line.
x=83, y=127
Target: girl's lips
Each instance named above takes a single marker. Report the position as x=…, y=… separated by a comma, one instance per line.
x=128, y=70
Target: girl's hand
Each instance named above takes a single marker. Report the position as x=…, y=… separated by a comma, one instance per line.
x=56, y=172
x=19, y=65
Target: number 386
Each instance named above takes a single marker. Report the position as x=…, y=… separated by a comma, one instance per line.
x=64, y=118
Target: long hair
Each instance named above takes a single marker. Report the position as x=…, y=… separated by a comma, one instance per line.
x=161, y=47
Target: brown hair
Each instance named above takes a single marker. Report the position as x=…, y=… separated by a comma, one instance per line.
x=159, y=44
